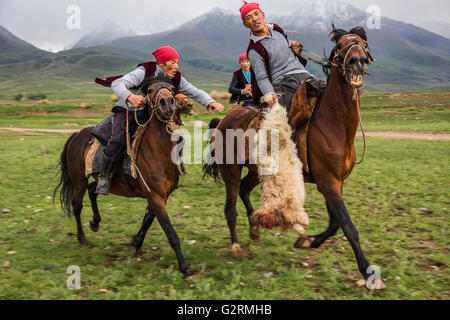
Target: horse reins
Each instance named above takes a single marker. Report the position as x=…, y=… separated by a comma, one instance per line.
x=130, y=154
x=299, y=53
x=154, y=110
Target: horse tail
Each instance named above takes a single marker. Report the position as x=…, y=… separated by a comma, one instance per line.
x=210, y=168
x=66, y=194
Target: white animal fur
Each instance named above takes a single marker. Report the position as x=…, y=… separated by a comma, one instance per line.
x=283, y=193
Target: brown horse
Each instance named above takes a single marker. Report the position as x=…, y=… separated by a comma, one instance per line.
x=331, y=154
x=153, y=160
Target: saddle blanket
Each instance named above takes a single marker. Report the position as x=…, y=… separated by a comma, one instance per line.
x=94, y=157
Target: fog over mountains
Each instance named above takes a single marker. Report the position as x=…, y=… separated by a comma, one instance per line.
x=408, y=57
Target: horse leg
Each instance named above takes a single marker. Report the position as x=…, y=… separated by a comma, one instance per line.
x=250, y=181
x=158, y=207
x=138, y=239
x=317, y=240
x=231, y=175
x=337, y=206
x=94, y=224
x=77, y=205
x=338, y=210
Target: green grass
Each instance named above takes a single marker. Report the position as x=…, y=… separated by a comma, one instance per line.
x=405, y=112
x=398, y=200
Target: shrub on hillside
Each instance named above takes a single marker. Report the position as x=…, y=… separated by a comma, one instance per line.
x=224, y=95
x=36, y=96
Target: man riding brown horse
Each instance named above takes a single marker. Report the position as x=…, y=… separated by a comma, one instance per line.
x=276, y=67
x=329, y=143
x=165, y=67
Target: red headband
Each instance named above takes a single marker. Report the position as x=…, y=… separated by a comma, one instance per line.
x=247, y=7
x=165, y=54
x=243, y=57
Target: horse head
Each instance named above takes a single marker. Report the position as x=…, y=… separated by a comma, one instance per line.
x=184, y=105
x=351, y=54
x=161, y=99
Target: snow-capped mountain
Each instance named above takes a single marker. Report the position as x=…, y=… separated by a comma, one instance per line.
x=104, y=34
x=318, y=15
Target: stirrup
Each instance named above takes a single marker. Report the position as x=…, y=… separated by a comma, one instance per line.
x=103, y=185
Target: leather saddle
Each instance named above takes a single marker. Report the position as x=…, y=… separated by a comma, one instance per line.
x=303, y=105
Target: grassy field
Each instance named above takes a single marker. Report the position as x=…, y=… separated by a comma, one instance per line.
x=407, y=112
x=398, y=199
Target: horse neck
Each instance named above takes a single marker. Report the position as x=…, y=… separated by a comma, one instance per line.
x=338, y=104
x=156, y=138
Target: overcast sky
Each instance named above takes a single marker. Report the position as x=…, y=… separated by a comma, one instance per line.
x=44, y=22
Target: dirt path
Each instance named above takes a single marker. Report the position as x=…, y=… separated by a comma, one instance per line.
x=407, y=135
x=39, y=130
x=389, y=135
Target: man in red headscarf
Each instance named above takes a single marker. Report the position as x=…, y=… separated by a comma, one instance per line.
x=240, y=86
x=277, y=68
x=165, y=67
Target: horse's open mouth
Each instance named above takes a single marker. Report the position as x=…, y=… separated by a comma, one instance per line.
x=356, y=80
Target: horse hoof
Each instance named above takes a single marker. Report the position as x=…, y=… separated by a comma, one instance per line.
x=377, y=284
x=255, y=234
x=84, y=242
x=190, y=275
x=94, y=226
x=238, y=253
x=303, y=242
x=138, y=253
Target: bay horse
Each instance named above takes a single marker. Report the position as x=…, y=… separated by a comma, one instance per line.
x=153, y=161
x=330, y=142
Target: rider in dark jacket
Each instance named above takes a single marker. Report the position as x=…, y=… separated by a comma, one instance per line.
x=240, y=86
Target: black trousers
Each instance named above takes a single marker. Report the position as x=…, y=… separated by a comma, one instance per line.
x=118, y=137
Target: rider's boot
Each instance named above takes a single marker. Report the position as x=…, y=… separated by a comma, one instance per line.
x=106, y=172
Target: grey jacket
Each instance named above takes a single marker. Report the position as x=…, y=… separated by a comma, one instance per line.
x=122, y=85
x=282, y=60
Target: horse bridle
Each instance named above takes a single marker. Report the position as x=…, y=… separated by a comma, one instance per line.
x=347, y=49
x=151, y=101
x=341, y=64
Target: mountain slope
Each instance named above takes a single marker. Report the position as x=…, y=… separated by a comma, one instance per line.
x=104, y=34
x=408, y=57
x=13, y=49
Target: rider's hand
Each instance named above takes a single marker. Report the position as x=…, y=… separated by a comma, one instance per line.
x=270, y=99
x=247, y=90
x=215, y=106
x=137, y=101
x=295, y=46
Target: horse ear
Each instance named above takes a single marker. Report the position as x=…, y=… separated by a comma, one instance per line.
x=337, y=33
x=334, y=31
x=360, y=32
